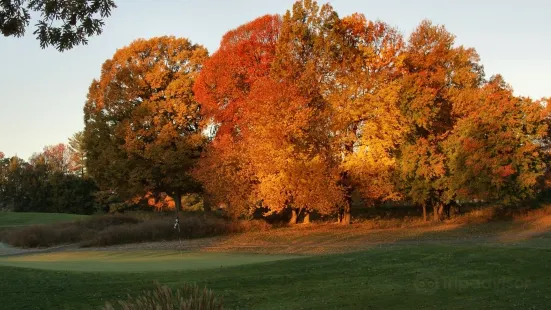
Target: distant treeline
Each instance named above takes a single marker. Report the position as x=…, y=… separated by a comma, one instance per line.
x=52, y=181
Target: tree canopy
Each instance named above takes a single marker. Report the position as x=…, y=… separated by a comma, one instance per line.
x=311, y=107
x=62, y=24
x=143, y=127
x=299, y=113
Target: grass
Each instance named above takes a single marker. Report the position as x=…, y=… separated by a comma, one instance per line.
x=398, y=277
x=10, y=219
x=499, y=263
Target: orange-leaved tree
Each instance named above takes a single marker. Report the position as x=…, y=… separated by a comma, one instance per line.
x=291, y=171
x=498, y=151
x=439, y=85
x=363, y=92
x=143, y=126
x=245, y=55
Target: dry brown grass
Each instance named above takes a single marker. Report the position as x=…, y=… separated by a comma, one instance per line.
x=189, y=297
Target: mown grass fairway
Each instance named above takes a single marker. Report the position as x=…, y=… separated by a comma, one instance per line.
x=407, y=277
x=9, y=219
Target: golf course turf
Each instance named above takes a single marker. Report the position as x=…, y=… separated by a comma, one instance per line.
x=405, y=276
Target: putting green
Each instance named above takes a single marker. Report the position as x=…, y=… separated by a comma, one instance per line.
x=135, y=261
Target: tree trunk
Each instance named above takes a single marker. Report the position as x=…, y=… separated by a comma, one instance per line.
x=294, y=217
x=177, y=203
x=424, y=212
x=438, y=211
x=346, y=219
x=306, y=219
x=346, y=216
x=435, y=212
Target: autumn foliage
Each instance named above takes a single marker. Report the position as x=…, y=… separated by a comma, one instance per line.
x=143, y=128
x=297, y=113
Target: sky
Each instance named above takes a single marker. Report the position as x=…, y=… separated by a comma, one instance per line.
x=42, y=92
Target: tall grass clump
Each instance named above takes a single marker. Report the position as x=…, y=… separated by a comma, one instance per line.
x=189, y=297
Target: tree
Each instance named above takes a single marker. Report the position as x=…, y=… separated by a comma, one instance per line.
x=77, y=154
x=36, y=187
x=366, y=124
x=347, y=69
x=305, y=56
x=55, y=157
x=4, y=163
x=245, y=56
x=281, y=162
x=228, y=178
x=498, y=151
x=143, y=127
x=292, y=172
x=439, y=85
x=62, y=24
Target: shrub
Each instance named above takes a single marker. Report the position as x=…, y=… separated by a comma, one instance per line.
x=36, y=236
x=123, y=228
x=153, y=230
x=189, y=297
x=105, y=221
x=162, y=229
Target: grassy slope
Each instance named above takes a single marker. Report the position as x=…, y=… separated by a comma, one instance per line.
x=8, y=219
x=435, y=276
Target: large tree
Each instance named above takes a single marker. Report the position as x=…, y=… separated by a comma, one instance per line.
x=498, y=151
x=223, y=87
x=366, y=125
x=268, y=149
x=439, y=85
x=143, y=127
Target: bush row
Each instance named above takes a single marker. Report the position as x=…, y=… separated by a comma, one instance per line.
x=120, y=229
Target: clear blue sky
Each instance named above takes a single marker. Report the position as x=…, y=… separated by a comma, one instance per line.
x=42, y=92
